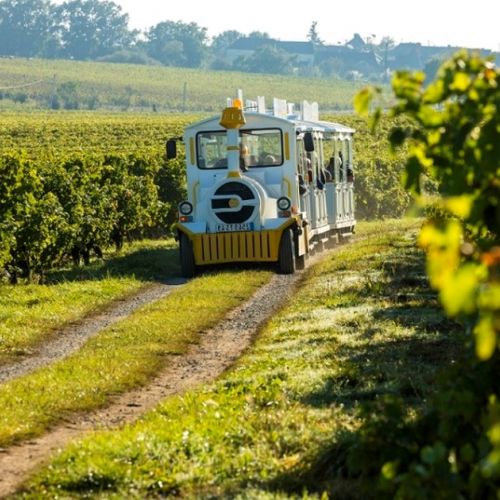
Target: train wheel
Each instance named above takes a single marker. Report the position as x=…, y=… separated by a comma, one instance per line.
x=286, y=259
x=300, y=262
x=186, y=254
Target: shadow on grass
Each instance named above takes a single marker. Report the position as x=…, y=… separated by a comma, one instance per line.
x=234, y=267
x=145, y=264
x=402, y=367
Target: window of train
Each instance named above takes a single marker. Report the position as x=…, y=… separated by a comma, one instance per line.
x=259, y=148
x=329, y=155
x=262, y=147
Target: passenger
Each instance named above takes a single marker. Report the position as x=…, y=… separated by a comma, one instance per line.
x=302, y=185
x=341, y=166
x=309, y=170
x=301, y=172
x=243, y=158
x=331, y=167
x=321, y=179
x=350, y=174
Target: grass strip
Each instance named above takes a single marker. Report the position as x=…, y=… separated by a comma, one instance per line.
x=364, y=325
x=29, y=313
x=123, y=356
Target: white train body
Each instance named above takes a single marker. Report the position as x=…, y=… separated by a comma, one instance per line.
x=264, y=187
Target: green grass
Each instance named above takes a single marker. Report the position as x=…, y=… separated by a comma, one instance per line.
x=126, y=86
x=124, y=355
x=364, y=325
x=30, y=313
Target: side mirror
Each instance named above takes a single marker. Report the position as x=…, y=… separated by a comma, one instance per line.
x=171, y=149
x=308, y=142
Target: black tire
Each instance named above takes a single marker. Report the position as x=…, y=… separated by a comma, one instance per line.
x=286, y=258
x=188, y=268
x=300, y=262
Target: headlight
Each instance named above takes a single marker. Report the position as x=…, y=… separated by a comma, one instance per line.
x=185, y=208
x=284, y=203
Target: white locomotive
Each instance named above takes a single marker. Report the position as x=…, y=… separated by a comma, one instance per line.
x=264, y=186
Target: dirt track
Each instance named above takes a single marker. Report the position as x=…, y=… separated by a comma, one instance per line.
x=217, y=350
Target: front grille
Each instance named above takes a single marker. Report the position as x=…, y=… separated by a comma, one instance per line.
x=234, y=191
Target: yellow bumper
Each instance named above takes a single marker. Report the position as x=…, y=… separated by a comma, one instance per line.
x=254, y=246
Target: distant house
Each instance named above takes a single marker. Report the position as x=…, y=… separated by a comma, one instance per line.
x=354, y=56
x=302, y=51
x=351, y=59
x=356, y=43
x=245, y=47
x=414, y=56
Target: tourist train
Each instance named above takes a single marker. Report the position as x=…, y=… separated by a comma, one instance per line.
x=264, y=186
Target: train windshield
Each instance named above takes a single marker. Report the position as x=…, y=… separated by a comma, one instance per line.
x=258, y=148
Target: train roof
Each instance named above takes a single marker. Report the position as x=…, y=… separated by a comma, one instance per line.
x=303, y=118
x=294, y=120
x=332, y=127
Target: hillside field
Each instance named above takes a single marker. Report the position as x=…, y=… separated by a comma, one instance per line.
x=39, y=83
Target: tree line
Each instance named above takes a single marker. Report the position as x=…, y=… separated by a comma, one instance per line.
x=98, y=30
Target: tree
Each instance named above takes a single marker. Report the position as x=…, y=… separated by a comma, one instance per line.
x=267, y=59
x=262, y=35
x=452, y=129
x=27, y=28
x=313, y=36
x=92, y=28
x=386, y=44
x=177, y=43
x=223, y=40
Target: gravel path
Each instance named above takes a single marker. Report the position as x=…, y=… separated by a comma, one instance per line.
x=72, y=337
x=216, y=351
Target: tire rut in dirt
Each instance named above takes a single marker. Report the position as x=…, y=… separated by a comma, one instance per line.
x=70, y=338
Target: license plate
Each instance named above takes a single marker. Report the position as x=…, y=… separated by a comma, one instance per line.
x=229, y=228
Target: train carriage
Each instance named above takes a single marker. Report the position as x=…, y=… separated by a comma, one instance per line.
x=264, y=186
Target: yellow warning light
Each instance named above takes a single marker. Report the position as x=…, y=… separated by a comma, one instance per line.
x=237, y=103
x=232, y=118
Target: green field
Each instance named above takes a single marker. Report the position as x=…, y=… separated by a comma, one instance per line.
x=34, y=83
x=360, y=387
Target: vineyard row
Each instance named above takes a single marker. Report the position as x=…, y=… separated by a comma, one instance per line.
x=52, y=211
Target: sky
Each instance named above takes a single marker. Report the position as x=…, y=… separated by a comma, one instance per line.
x=463, y=23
